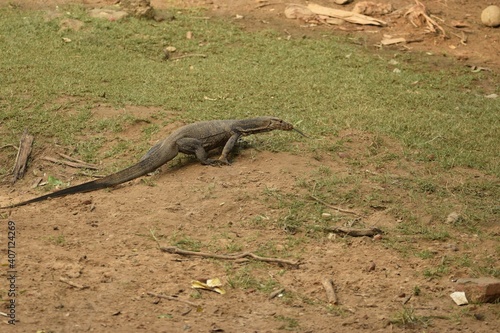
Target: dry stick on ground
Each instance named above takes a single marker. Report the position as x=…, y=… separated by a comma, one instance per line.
x=370, y=232
x=171, y=298
x=152, y=232
x=175, y=250
x=22, y=156
x=334, y=207
x=11, y=146
x=330, y=291
x=80, y=162
x=262, y=5
x=80, y=165
x=276, y=293
x=76, y=285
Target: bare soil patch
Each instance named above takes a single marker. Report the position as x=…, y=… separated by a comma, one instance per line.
x=101, y=241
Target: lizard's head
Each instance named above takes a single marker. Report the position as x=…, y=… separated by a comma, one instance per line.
x=276, y=123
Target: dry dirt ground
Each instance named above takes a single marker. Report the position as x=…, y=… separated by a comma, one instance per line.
x=86, y=262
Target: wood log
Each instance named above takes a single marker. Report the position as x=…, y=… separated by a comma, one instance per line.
x=23, y=154
x=345, y=15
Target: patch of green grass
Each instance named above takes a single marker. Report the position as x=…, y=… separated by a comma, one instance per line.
x=288, y=323
x=246, y=278
x=407, y=317
x=242, y=278
x=244, y=74
x=425, y=254
x=185, y=242
x=165, y=315
x=150, y=130
x=438, y=270
x=59, y=240
x=427, y=232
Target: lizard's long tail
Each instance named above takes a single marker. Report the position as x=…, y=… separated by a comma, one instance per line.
x=85, y=187
x=156, y=157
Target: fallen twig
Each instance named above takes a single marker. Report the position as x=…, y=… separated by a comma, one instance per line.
x=462, y=37
x=276, y=293
x=176, y=250
x=152, y=232
x=341, y=210
x=10, y=145
x=81, y=165
x=370, y=232
x=23, y=154
x=171, y=298
x=262, y=5
x=330, y=291
x=73, y=284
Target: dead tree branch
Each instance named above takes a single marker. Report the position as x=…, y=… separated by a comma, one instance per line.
x=176, y=250
x=341, y=210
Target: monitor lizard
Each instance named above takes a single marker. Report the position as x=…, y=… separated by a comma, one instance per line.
x=193, y=139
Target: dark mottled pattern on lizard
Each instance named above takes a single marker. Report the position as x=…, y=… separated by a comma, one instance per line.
x=194, y=139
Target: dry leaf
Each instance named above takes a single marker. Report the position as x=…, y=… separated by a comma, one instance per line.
x=210, y=284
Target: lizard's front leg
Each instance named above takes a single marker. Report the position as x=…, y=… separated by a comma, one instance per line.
x=228, y=147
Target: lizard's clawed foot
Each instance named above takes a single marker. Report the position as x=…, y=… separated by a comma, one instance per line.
x=219, y=162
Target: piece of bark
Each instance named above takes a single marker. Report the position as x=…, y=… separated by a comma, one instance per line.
x=345, y=15
x=23, y=154
x=330, y=291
